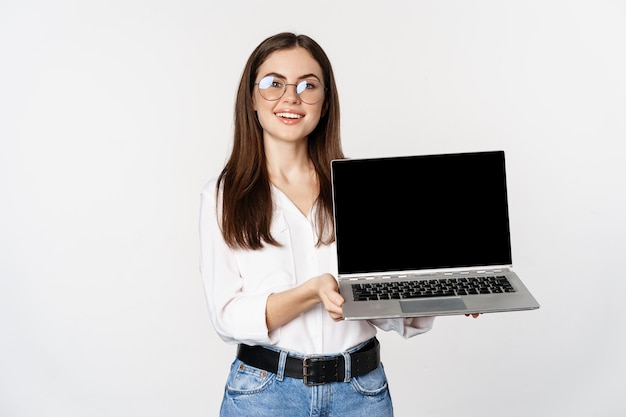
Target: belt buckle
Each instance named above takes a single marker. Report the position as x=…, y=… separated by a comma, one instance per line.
x=305, y=366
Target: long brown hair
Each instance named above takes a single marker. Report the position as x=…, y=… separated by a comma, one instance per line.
x=246, y=201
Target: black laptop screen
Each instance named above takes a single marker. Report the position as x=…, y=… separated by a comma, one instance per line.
x=421, y=212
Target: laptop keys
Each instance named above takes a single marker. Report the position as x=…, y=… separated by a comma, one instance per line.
x=447, y=287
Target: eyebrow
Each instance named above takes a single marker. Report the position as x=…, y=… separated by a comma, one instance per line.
x=302, y=77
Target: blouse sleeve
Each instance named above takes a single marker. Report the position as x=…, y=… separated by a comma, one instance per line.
x=406, y=327
x=238, y=316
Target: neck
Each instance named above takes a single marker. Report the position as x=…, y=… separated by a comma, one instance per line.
x=287, y=160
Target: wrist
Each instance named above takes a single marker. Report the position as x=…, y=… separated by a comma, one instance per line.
x=312, y=291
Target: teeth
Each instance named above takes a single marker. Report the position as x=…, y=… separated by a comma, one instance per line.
x=289, y=115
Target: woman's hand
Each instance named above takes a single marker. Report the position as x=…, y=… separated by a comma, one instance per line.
x=284, y=306
x=473, y=315
x=328, y=294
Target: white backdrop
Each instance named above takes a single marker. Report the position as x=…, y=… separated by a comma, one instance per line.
x=113, y=114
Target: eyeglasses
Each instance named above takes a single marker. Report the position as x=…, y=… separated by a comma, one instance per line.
x=310, y=91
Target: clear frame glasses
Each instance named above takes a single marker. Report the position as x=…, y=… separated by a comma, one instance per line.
x=272, y=88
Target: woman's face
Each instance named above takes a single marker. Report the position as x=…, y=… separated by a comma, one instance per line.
x=288, y=118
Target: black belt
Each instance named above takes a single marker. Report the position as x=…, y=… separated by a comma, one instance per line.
x=313, y=370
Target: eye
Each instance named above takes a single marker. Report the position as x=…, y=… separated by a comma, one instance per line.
x=270, y=82
x=307, y=85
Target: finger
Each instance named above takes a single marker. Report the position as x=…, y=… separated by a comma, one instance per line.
x=330, y=303
x=337, y=299
x=336, y=316
x=335, y=310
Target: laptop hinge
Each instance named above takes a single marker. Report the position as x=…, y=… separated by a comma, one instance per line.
x=426, y=273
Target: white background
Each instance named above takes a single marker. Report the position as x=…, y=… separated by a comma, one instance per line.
x=113, y=115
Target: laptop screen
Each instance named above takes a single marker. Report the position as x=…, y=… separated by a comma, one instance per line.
x=414, y=213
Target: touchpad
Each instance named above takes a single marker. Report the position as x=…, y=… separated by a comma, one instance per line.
x=432, y=305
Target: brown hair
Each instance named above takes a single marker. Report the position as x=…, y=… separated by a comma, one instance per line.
x=246, y=200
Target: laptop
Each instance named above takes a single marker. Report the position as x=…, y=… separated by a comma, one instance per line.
x=425, y=235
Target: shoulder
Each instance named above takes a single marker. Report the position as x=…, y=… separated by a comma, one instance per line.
x=209, y=190
x=210, y=198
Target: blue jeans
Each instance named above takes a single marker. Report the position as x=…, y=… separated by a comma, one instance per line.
x=253, y=392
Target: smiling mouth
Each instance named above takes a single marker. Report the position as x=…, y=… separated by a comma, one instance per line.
x=289, y=115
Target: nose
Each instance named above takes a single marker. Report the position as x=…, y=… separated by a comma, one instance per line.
x=291, y=94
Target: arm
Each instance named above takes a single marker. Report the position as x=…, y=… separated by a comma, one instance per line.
x=284, y=306
x=236, y=315
x=248, y=311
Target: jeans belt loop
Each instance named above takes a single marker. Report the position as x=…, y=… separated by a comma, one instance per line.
x=347, y=366
x=282, y=360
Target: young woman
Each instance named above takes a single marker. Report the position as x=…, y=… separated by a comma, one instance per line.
x=268, y=255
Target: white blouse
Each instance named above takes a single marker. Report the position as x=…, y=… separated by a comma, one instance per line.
x=238, y=282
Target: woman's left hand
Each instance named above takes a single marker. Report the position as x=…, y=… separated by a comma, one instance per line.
x=328, y=293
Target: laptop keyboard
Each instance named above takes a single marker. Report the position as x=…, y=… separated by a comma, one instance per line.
x=444, y=287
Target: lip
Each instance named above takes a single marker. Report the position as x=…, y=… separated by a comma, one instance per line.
x=289, y=116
